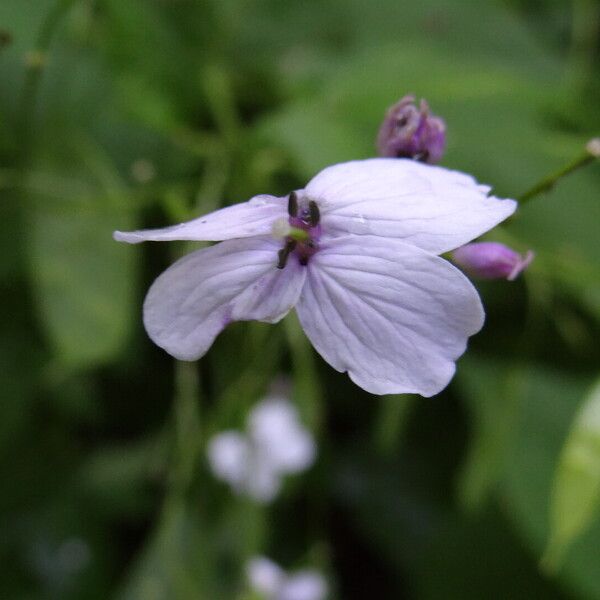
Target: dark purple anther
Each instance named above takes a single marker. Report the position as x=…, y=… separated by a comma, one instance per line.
x=411, y=132
x=293, y=204
x=282, y=255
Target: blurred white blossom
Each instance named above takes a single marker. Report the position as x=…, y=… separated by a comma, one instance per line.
x=275, y=444
x=271, y=582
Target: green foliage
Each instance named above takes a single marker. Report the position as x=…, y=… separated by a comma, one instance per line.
x=143, y=112
x=576, y=490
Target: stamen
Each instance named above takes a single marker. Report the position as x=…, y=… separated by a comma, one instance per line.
x=284, y=253
x=315, y=214
x=293, y=204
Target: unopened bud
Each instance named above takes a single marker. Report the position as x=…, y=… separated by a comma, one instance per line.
x=491, y=260
x=411, y=132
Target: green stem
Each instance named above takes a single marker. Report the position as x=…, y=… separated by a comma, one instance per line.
x=187, y=425
x=33, y=75
x=547, y=183
x=584, y=31
x=391, y=422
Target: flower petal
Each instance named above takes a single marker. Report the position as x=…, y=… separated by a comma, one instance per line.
x=228, y=455
x=278, y=435
x=304, y=585
x=237, y=280
x=393, y=316
x=263, y=482
x=246, y=219
x=430, y=207
x=264, y=576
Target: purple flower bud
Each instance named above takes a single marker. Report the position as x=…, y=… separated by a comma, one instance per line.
x=411, y=132
x=491, y=260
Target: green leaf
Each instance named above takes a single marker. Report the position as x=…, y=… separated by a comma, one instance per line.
x=575, y=499
x=549, y=401
x=83, y=280
x=489, y=389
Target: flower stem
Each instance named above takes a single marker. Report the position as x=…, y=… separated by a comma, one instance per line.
x=592, y=151
x=584, y=27
x=35, y=61
x=187, y=425
x=392, y=419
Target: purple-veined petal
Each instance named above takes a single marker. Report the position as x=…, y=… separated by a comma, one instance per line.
x=392, y=315
x=430, y=207
x=236, y=280
x=246, y=219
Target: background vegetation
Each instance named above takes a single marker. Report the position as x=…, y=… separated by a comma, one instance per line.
x=123, y=113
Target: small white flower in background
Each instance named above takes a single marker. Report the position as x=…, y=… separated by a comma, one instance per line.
x=271, y=582
x=275, y=444
x=359, y=261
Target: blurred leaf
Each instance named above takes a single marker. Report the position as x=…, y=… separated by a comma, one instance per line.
x=83, y=280
x=117, y=477
x=575, y=498
x=549, y=401
x=489, y=389
x=503, y=568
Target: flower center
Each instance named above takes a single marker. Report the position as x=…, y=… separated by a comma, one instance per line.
x=301, y=232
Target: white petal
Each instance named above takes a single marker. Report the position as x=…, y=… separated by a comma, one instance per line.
x=237, y=280
x=228, y=455
x=296, y=454
x=246, y=219
x=430, y=207
x=304, y=585
x=265, y=577
x=393, y=316
x=263, y=482
x=276, y=431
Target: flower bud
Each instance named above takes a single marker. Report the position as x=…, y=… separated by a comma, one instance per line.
x=491, y=260
x=411, y=132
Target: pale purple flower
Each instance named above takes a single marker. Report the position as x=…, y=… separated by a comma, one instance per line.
x=359, y=263
x=411, y=132
x=491, y=260
x=275, y=444
x=271, y=582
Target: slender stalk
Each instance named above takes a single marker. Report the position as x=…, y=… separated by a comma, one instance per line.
x=33, y=75
x=391, y=422
x=547, y=183
x=584, y=45
x=187, y=425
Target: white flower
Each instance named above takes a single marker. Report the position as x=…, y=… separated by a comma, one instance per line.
x=360, y=263
x=272, y=583
x=275, y=444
